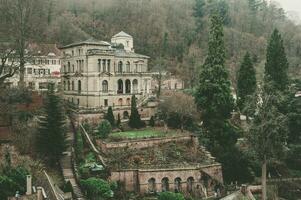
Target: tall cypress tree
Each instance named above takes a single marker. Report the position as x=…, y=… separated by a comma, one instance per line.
x=213, y=95
x=246, y=80
x=51, y=137
x=110, y=116
x=135, y=120
x=276, y=62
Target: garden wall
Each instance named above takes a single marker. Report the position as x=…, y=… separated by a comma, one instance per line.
x=139, y=180
x=144, y=143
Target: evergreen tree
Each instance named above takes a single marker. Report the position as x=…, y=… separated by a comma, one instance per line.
x=199, y=12
x=246, y=81
x=118, y=123
x=213, y=96
x=152, y=121
x=268, y=133
x=276, y=62
x=51, y=138
x=110, y=116
x=104, y=129
x=135, y=120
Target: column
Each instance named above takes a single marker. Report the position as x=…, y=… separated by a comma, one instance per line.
x=147, y=87
x=131, y=87
x=109, y=66
x=123, y=92
x=139, y=83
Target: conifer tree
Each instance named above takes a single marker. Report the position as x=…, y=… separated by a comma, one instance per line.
x=135, y=120
x=246, y=81
x=118, y=122
x=110, y=116
x=276, y=62
x=213, y=96
x=268, y=133
x=199, y=12
x=51, y=137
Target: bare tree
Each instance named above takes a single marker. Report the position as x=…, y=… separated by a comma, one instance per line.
x=9, y=63
x=21, y=21
x=181, y=104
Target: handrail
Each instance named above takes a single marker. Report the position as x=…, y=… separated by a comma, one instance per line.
x=93, y=146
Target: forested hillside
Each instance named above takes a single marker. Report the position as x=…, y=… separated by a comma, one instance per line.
x=174, y=30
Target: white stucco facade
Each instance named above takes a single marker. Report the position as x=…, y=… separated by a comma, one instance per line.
x=98, y=74
x=43, y=67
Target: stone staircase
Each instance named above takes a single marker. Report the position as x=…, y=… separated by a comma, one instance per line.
x=67, y=169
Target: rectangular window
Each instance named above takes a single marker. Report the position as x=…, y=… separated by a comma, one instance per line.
x=43, y=85
x=31, y=85
x=29, y=70
x=104, y=65
x=106, y=102
x=99, y=65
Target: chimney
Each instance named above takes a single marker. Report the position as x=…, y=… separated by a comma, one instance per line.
x=28, y=185
x=39, y=193
x=243, y=189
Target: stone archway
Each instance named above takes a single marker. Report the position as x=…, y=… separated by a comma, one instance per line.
x=135, y=86
x=126, y=115
x=165, y=184
x=190, y=182
x=178, y=184
x=152, y=185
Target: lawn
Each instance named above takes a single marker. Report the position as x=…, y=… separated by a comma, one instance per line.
x=140, y=134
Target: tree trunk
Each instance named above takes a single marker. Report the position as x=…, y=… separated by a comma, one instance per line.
x=264, y=179
x=22, y=63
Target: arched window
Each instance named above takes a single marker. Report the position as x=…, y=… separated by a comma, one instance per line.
x=190, y=181
x=68, y=85
x=79, y=86
x=178, y=184
x=152, y=185
x=64, y=85
x=69, y=67
x=135, y=86
x=120, y=102
x=165, y=184
x=119, y=67
x=128, y=67
x=127, y=86
x=128, y=101
x=120, y=87
x=72, y=85
x=105, y=86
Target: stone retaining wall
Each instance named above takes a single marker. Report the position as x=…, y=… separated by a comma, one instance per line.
x=138, y=180
x=144, y=143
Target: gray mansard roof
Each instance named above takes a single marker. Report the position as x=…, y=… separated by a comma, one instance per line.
x=128, y=54
x=90, y=41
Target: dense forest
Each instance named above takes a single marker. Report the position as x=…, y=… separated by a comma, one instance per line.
x=175, y=31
